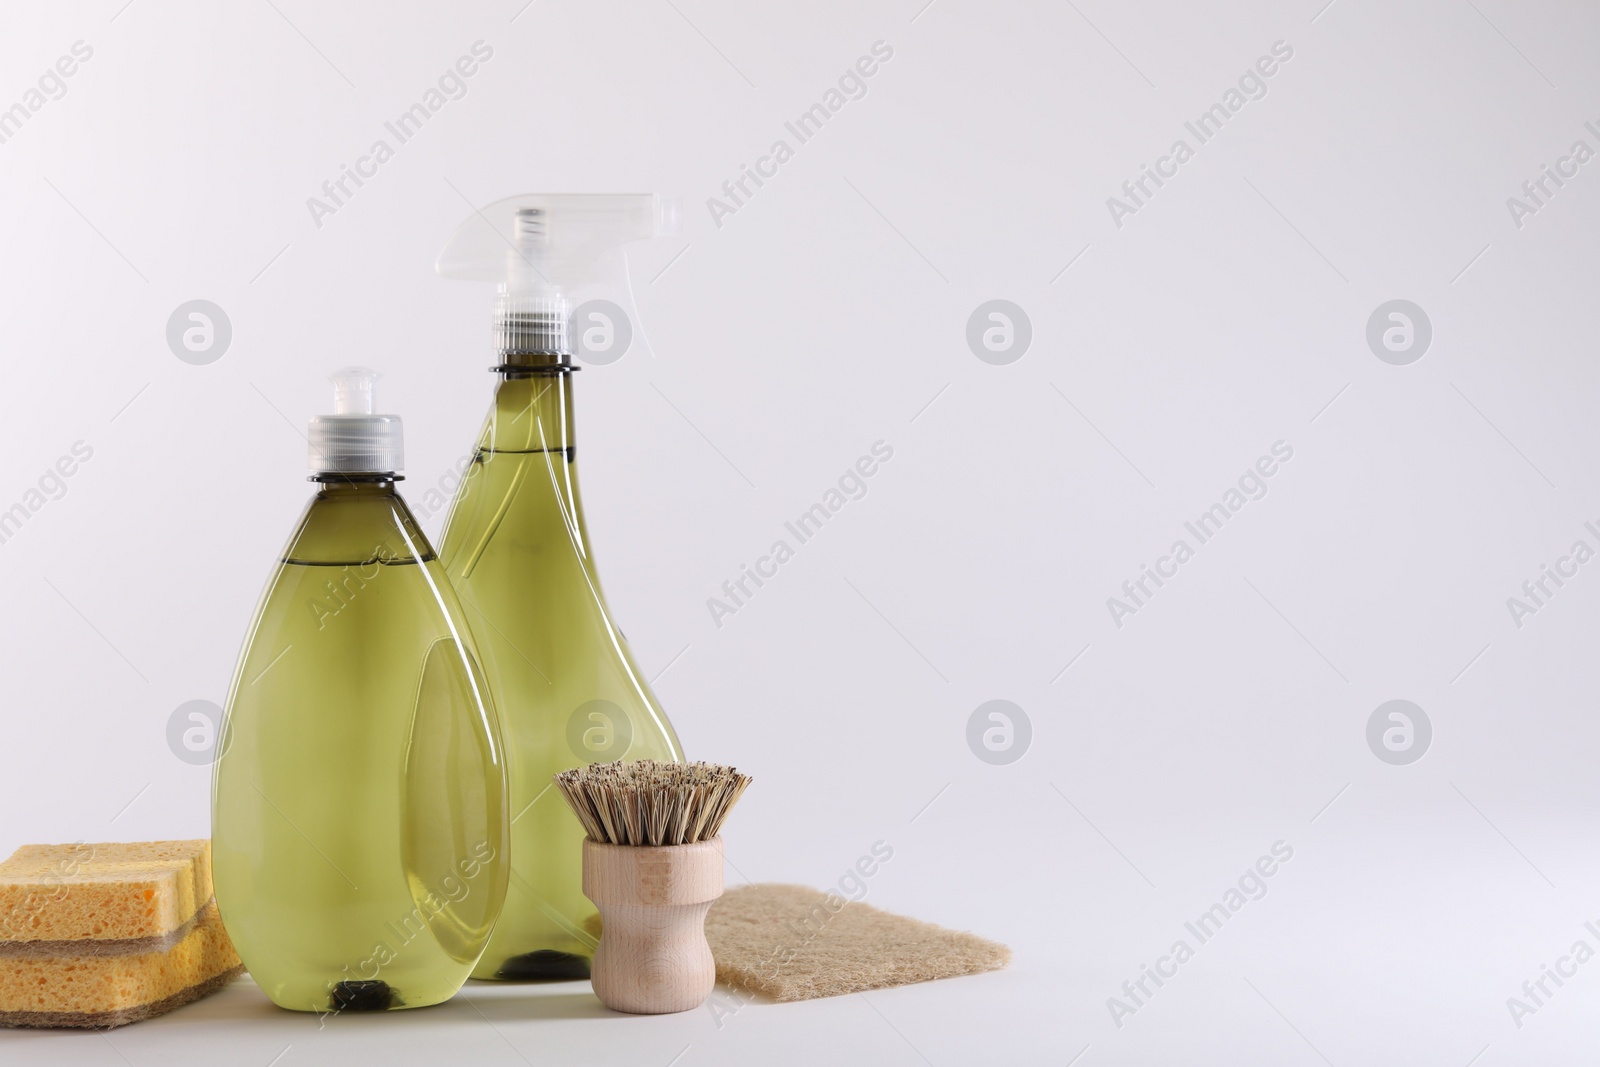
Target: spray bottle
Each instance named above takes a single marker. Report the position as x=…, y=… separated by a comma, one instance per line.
x=516, y=547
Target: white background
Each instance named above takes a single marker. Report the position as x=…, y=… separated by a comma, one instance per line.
x=828, y=313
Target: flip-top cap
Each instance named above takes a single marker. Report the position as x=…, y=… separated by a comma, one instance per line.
x=354, y=439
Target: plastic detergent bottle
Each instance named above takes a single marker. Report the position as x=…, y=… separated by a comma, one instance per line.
x=359, y=805
x=517, y=549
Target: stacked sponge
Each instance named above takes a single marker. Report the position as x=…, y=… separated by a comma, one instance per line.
x=104, y=935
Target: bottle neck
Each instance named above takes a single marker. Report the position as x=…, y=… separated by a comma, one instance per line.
x=532, y=413
x=354, y=519
x=344, y=485
x=524, y=474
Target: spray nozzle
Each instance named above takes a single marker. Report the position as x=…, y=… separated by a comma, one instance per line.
x=354, y=439
x=550, y=254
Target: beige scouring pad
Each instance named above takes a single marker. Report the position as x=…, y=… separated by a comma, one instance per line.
x=793, y=943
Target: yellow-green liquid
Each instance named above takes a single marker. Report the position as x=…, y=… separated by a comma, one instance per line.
x=359, y=815
x=568, y=690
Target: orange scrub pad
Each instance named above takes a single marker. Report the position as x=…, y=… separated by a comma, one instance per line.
x=108, y=934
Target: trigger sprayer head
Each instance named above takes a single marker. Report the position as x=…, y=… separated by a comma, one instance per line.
x=355, y=439
x=531, y=311
x=544, y=250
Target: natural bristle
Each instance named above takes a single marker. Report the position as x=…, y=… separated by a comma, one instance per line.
x=651, y=802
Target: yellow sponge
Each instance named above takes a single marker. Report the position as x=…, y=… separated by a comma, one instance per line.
x=112, y=892
x=106, y=934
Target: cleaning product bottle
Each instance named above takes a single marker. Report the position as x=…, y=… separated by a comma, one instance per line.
x=516, y=547
x=359, y=810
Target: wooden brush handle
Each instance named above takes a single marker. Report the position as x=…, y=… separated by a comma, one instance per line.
x=653, y=957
